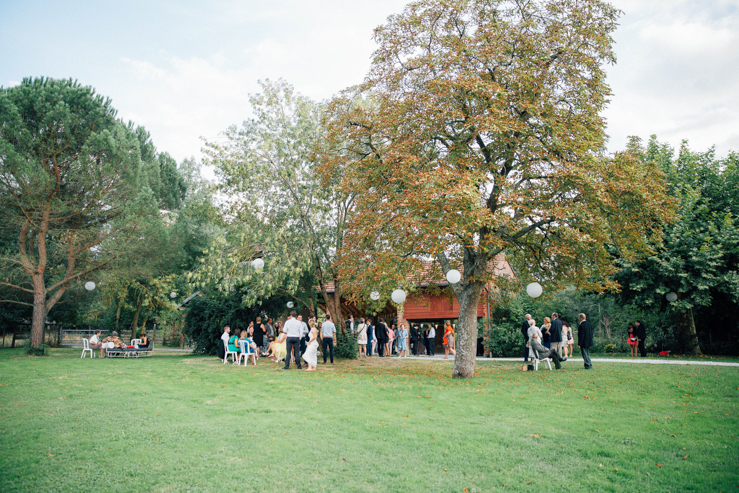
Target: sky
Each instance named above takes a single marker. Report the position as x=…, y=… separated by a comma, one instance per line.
x=185, y=69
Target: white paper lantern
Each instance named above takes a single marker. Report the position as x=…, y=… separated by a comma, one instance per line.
x=534, y=290
x=258, y=263
x=453, y=276
x=375, y=295
x=671, y=296
x=89, y=285
x=290, y=304
x=398, y=296
x=173, y=295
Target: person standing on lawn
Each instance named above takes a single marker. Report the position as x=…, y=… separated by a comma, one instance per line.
x=555, y=330
x=432, y=340
x=525, y=331
x=632, y=340
x=371, y=339
x=641, y=334
x=304, y=335
x=381, y=335
x=585, y=340
x=449, y=340
x=402, y=337
x=311, y=354
x=414, y=340
x=362, y=337
x=294, y=331
x=328, y=331
x=390, y=340
x=567, y=339
x=546, y=336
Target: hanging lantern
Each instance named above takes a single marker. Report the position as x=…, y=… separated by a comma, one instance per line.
x=89, y=285
x=173, y=295
x=375, y=295
x=290, y=304
x=534, y=290
x=453, y=276
x=258, y=263
x=398, y=296
x=671, y=296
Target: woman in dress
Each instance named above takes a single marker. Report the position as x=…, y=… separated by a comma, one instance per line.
x=362, y=337
x=311, y=353
x=567, y=338
x=546, y=336
x=632, y=340
x=449, y=341
x=402, y=337
x=389, y=343
x=246, y=338
x=277, y=348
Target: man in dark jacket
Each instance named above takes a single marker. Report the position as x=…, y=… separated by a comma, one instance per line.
x=525, y=331
x=414, y=340
x=556, y=333
x=585, y=340
x=641, y=334
x=382, y=336
x=370, y=336
x=544, y=353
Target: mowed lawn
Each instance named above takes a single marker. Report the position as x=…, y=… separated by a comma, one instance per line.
x=188, y=423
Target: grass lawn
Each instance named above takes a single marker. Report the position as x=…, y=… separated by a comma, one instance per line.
x=187, y=423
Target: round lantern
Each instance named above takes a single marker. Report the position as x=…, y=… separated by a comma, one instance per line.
x=173, y=295
x=398, y=296
x=534, y=289
x=258, y=263
x=375, y=295
x=453, y=276
x=671, y=296
x=290, y=304
x=89, y=285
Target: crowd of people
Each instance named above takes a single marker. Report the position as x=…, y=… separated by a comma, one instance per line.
x=298, y=341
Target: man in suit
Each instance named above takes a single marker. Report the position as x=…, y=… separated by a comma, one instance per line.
x=555, y=332
x=382, y=336
x=585, y=340
x=641, y=334
x=426, y=340
x=525, y=331
x=544, y=353
x=370, y=336
x=414, y=339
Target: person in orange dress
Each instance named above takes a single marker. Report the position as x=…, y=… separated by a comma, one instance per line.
x=448, y=341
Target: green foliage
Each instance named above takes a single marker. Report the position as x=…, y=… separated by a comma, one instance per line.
x=346, y=345
x=699, y=258
x=39, y=350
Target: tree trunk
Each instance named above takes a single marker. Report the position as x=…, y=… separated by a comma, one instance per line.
x=134, y=323
x=466, y=336
x=687, y=334
x=39, y=314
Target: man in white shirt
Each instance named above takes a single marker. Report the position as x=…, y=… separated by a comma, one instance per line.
x=328, y=331
x=225, y=337
x=95, y=342
x=294, y=330
x=432, y=339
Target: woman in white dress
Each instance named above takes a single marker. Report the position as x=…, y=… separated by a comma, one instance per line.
x=311, y=353
x=362, y=337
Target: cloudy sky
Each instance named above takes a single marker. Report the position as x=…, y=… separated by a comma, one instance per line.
x=184, y=69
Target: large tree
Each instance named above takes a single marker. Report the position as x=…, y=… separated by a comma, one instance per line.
x=70, y=180
x=480, y=135
x=699, y=258
x=276, y=206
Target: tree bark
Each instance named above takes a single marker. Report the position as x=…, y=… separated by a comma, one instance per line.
x=134, y=323
x=687, y=334
x=466, y=336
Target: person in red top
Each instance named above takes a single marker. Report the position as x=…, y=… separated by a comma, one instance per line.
x=448, y=340
x=632, y=340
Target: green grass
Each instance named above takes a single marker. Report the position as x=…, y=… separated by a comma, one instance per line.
x=186, y=423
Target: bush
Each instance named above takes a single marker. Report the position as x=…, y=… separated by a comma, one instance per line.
x=346, y=346
x=504, y=341
x=39, y=350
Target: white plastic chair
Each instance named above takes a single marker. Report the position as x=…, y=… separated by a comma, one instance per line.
x=535, y=357
x=135, y=341
x=247, y=351
x=234, y=355
x=86, y=347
